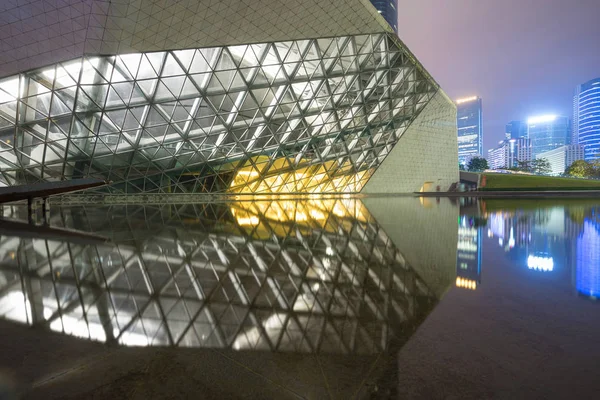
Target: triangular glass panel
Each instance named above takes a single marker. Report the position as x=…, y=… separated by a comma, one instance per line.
x=129, y=63
x=146, y=70
x=172, y=67
x=147, y=87
x=185, y=57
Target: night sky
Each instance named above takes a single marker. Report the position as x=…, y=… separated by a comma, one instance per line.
x=522, y=57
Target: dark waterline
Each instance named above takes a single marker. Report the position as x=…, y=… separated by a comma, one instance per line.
x=341, y=298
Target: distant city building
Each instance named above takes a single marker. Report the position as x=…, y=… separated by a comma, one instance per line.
x=586, y=118
x=470, y=129
x=562, y=157
x=388, y=10
x=509, y=152
x=524, y=150
x=515, y=130
x=547, y=132
x=496, y=157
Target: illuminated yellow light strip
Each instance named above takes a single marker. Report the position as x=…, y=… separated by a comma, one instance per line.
x=466, y=283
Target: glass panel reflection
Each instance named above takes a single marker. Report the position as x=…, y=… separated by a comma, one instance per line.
x=312, y=275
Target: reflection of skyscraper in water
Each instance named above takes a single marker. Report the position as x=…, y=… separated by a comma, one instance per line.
x=512, y=228
x=587, y=279
x=468, y=255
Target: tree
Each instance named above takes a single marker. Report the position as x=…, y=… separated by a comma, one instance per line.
x=461, y=167
x=524, y=166
x=580, y=169
x=477, y=164
x=541, y=166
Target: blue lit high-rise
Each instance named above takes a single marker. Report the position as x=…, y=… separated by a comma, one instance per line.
x=388, y=10
x=588, y=259
x=586, y=118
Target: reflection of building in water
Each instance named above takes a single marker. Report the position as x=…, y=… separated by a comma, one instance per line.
x=468, y=256
x=587, y=280
x=511, y=228
x=300, y=276
x=539, y=239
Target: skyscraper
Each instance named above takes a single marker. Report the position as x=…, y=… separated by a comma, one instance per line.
x=586, y=118
x=388, y=10
x=515, y=130
x=309, y=97
x=547, y=132
x=470, y=129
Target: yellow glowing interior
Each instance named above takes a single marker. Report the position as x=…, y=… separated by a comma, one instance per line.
x=264, y=218
x=466, y=283
x=260, y=175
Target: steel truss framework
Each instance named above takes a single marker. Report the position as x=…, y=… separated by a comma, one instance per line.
x=306, y=276
x=316, y=115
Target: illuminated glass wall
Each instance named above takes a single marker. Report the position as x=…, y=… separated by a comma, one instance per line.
x=308, y=116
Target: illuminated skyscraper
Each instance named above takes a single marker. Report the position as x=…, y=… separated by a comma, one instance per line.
x=470, y=129
x=515, y=130
x=547, y=132
x=586, y=118
x=388, y=10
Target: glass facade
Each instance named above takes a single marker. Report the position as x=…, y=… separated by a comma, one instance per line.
x=586, y=124
x=388, y=10
x=547, y=132
x=470, y=129
x=515, y=130
x=283, y=276
x=309, y=116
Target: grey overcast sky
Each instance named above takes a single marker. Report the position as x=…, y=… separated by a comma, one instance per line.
x=522, y=57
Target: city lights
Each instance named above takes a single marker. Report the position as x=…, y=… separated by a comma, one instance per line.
x=466, y=99
x=539, y=263
x=466, y=283
x=541, y=119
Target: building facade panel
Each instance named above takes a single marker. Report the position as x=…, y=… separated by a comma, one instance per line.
x=427, y=149
x=37, y=33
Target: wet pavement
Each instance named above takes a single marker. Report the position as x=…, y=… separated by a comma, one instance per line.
x=313, y=298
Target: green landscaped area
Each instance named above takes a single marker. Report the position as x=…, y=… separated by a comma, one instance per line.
x=537, y=183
